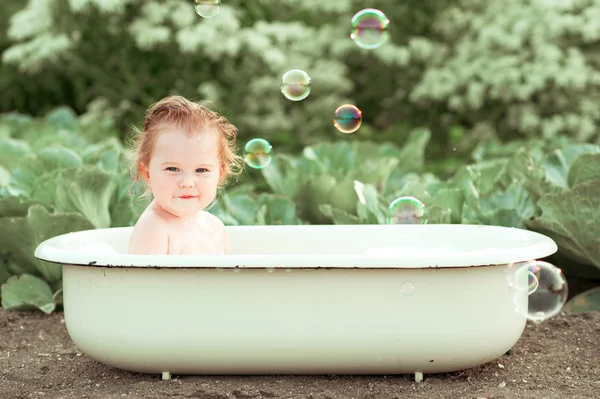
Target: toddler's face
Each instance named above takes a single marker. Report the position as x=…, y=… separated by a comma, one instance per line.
x=184, y=172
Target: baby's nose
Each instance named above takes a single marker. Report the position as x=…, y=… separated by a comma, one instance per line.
x=186, y=182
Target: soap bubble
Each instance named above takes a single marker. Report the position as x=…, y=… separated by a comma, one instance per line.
x=406, y=210
x=257, y=153
x=523, y=276
x=295, y=85
x=348, y=118
x=369, y=28
x=207, y=8
x=545, y=286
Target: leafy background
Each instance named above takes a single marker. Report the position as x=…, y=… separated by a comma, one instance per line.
x=485, y=111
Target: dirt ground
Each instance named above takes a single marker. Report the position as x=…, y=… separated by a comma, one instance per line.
x=559, y=358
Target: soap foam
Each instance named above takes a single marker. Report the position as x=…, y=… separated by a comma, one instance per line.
x=96, y=247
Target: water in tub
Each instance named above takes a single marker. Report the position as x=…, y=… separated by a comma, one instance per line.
x=80, y=245
x=444, y=249
x=96, y=247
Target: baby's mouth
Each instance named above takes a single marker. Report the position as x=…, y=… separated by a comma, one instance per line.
x=187, y=197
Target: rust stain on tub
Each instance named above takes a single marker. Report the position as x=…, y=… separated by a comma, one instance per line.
x=95, y=264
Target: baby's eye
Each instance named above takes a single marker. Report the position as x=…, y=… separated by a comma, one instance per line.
x=175, y=169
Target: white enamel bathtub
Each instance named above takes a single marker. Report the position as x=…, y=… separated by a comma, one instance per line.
x=331, y=299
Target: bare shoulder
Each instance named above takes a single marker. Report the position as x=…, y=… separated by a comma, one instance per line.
x=150, y=235
x=213, y=220
x=219, y=228
x=149, y=218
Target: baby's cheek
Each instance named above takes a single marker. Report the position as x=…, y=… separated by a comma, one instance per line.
x=159, y=187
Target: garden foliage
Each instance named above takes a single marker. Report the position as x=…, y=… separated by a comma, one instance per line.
x=526, y=66
x=511, y=68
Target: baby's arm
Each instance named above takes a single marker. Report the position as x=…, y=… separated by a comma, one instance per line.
x=149, y=239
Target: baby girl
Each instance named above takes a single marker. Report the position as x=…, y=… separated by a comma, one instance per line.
x=184, y=153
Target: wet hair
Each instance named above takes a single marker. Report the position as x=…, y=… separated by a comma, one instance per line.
x=191, y=116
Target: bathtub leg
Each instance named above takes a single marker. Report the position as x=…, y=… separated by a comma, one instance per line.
x=166, y=375
x=418, y=376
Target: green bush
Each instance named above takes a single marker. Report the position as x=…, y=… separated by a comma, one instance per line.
x=512, y=68
x=121, y=56
x=516, y=67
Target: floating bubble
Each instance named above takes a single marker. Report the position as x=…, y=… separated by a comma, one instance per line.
x=522, y=277
x=348, y=118
x=542, y=284
x=207, y=8
x=295, y=85
x=257, y=153
x=369, y=28
x=406, y=210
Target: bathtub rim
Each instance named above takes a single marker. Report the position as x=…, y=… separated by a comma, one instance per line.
x=543, y=247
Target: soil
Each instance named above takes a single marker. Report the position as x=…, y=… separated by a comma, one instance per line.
x=559, y=358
